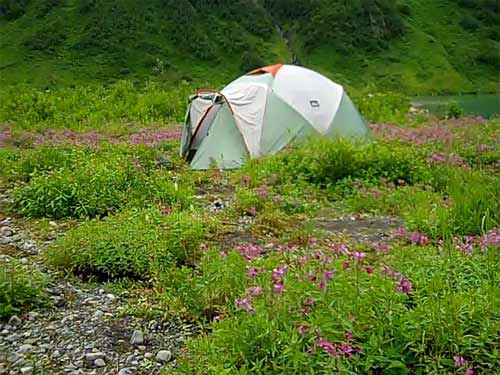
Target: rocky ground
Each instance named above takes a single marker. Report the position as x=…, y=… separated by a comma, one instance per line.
x=86, y=329
x=89, y=329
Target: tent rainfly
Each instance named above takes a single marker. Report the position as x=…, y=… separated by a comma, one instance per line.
x=264, y=111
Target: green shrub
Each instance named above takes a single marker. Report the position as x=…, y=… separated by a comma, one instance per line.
x=389, y=107
x=20, y=289
x=87, y=183
x=326, y=162
x=412, y=316
x=137, y=244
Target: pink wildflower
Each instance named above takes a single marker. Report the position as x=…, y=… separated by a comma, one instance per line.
x=251, y=272
x=262, y=192
x=328, y=275
x=401, y=233
x=244, y=304
x=380, y=247
x=405, y=286
x=346, y=265
x=308, y=302
x=252, y=211
x=327, y=346
x=348, y=336
x=278, y=273
x=278, y=287
x=469, y=371
x=359, y=255
x=369, y=270
x=347, y=350
x=255, y=290
x=459, y=361
x=302, y=329
x=385, y=270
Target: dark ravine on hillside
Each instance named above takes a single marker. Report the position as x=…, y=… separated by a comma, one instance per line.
x=383, y=43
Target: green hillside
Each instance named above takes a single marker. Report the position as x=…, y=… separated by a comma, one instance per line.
x=413, y=46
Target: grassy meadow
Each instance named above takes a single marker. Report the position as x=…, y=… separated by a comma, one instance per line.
x=271, y=261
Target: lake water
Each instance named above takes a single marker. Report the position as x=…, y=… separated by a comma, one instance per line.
x=486, y=105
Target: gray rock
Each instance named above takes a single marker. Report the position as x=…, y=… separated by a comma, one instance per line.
x=91, y=357
x=14, y=320
x=127, y=371
x=137, y=338
x=163, y=356
x=3, y=370
x=26, y=348
x=148, y=355
x=26, y=370
x=99, y=362
x=6, y=232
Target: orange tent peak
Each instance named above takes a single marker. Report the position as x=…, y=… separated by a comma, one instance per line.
x=273, y=69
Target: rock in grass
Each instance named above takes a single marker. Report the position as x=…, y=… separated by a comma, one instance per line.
x=137, y=338
x=14, y=320
x=163, y=356
x=127, y=371
x=26, y=370
x=99, y=362
x=92, y=357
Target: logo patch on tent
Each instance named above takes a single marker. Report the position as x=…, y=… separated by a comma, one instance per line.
x=314, y=103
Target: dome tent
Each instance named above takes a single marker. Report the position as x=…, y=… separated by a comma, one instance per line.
x=264, y=111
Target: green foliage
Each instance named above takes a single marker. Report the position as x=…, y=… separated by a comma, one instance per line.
x=268, y=332
x=410, y=46
x=20, y=289
x=93, y=107
x=139, y=244
x=389, y=107
x=453, y=110
x=327, y=162
x=85, y=183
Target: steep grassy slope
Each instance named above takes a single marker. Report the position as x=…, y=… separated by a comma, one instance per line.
x=414, y=46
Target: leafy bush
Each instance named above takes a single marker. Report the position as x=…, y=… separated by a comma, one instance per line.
x=86, y=183
x=139, y=244
x=282, y=320
x=20, y=289
x=326, y=162
x=93, y=107
x=390, y=107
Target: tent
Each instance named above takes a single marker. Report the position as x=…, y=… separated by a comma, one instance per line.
x=262, y=112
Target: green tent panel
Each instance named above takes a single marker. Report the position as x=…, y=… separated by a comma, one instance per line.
x=223, y=145
x=287, y=124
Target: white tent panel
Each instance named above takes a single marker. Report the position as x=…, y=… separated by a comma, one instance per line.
x=199, y=107
x=312, y=95
x=248, y=102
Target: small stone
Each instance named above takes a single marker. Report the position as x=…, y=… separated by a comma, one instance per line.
x=26, y=348
x=130, y=358
x=137, y=338
x=14, y=320
x=163, y=356
x=127, y=371
x=52, y=223
x=91, y=357
x=99, y=362
x=6, y=232
x=148, y=355
x=141, y=348
x=111, y=296
x=31, y=341
x=26, y=370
